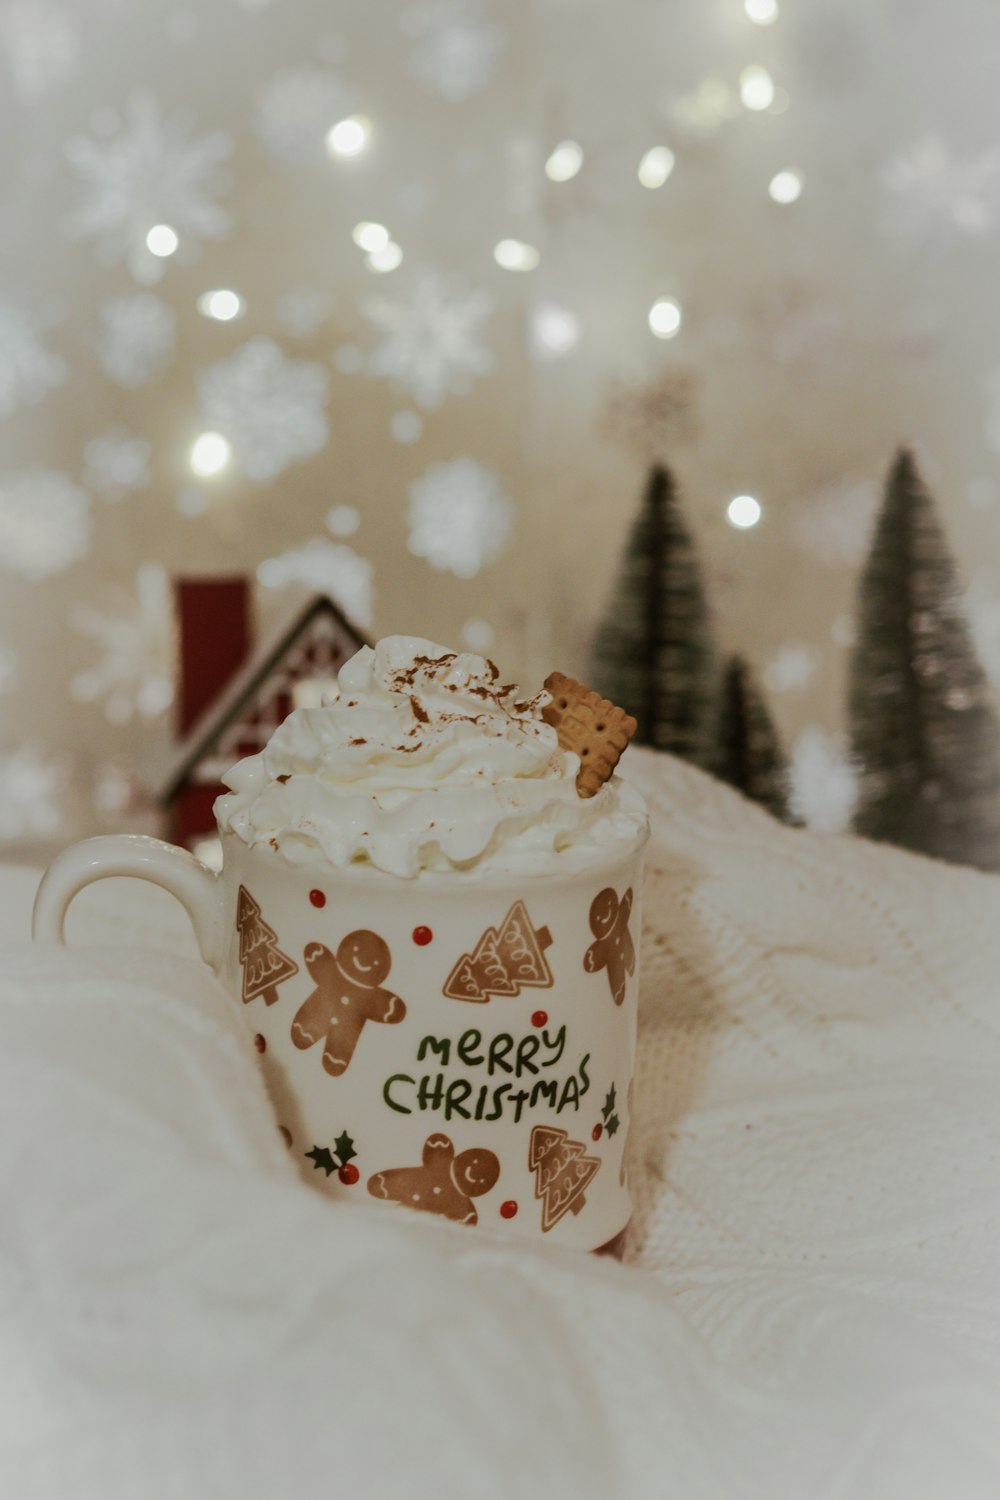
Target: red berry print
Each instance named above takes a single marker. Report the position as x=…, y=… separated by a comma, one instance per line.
x=260, y=1043
x=597, y=1132
x=422, y=936
x=540, y=1018
x=349, y=1174
x=317, y=898
x=508, y=1209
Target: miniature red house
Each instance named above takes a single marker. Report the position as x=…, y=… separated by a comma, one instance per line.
x=231, y=699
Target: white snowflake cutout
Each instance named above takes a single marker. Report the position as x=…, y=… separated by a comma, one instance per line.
x=459, y=517
x=296, y=109
x=271, y=408
x=823, y=782
x=135, y=675
x=327, y=568
x=452, y=47
x=31, y=793
x=45, y=523
x=116, y=463
x=136, y=338
x=150, y=172
x=431, y=345
x=42, y=44
x=28, y=371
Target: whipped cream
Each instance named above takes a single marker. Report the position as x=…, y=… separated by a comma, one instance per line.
x=425, y=761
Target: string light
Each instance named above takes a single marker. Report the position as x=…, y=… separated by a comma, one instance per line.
x=554, y=330
x=665, y=318
x=348, y=137
x=656, y=166
x=743, y=512
x=565, y=161
x=756, y=88
x=223, y=305
x=162, y=240
x=370, y=237
x=386, y=259
x=515, y=255
x=210, y=453
x=785, y=187
x=762, y=12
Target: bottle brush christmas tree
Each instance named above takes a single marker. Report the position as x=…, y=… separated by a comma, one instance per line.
x=748, y=753
x=924, y=736
x=652, y=653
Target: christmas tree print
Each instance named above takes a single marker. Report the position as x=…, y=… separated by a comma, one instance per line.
x=562, y=1171
x=506, y=960
x=923, y=733
x=264, y=964
x=653, y=653
x=748, y=753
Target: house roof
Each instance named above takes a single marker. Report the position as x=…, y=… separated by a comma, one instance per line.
x=231, y=702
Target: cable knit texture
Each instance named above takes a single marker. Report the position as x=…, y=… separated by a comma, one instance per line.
x=810, y=1302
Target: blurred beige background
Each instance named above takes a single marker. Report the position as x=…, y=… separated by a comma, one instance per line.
x=450, y=445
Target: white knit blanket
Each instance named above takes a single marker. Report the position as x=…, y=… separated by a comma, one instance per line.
x=810, y=1306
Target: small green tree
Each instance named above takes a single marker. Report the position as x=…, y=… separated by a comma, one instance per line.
x=748, y=753
x=924, y=735
x=652, y=653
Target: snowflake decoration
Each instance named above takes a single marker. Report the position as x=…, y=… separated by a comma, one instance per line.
x=459, y=517
x=295, y=111
x=136, y=338
x=135, y=675
x=44, y=523
x=792, y=669
x=42, y=45
x=326, y=568
x=431, y=346
x=117, y=463
x=823, y=782
x=151, y=172
x=933, y=192
x=835, y=524
x=453, y=49
x=27, y=370
x=31, y=791
x=8, y=669
x=271, y=408
x=653, y=418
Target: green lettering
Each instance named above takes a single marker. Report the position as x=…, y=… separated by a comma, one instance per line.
x=584, y=1060
x=431, y=1043
x=499, y=1047
x=428, y=1095
x=518, y=1101
x=559, y=1043
x=526, y=1049
x=467, y=1044
x=547, y=1089
x=458, y=1090
x=498, y=1094
x=387, y=1096
x=570, y=1094
x=481, y=1102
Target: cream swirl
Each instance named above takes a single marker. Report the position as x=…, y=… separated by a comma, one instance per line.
x=424, y=760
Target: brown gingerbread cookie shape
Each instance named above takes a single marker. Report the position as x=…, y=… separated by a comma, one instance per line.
x=443, y=1183
x=613, y=948
x=264, y=964
x=563, y=1171
x=505, y=960
x=348, y=993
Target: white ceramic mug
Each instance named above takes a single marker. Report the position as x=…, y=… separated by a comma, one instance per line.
x=458, y=1043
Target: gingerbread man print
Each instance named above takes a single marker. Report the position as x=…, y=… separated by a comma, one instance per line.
x=348, y=993
x=612, y=949
x=444, y=1183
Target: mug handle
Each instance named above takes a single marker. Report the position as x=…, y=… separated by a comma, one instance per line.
x=196, y=887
